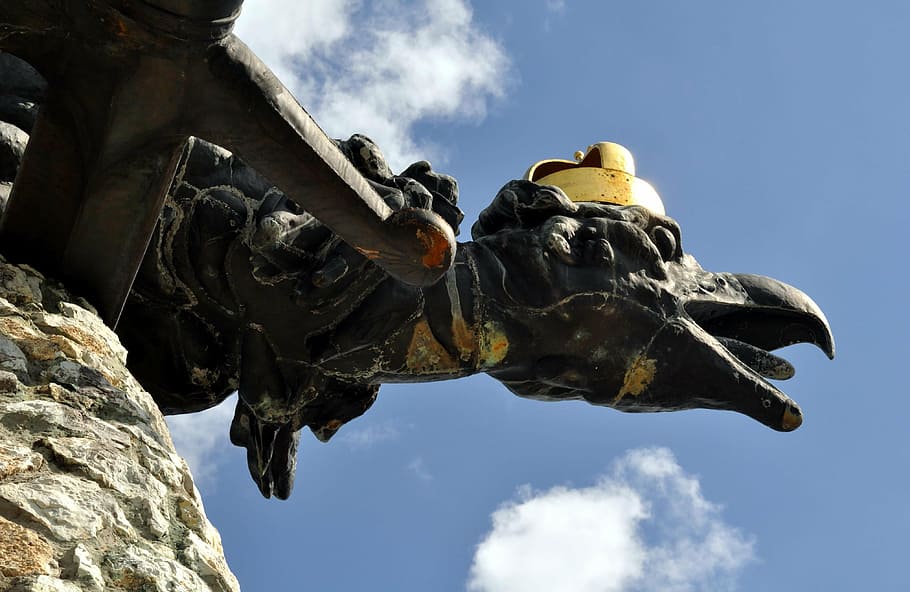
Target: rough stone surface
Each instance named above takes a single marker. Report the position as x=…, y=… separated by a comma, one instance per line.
x=24, y=552
x=92, y=494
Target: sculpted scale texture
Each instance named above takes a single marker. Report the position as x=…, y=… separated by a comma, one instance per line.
x=241, y=289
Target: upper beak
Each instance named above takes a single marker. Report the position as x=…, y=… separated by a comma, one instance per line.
x=772, y=315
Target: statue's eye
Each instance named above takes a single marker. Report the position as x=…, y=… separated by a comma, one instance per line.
x=665, y=241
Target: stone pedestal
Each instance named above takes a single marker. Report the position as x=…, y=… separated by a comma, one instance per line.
x=92, y=494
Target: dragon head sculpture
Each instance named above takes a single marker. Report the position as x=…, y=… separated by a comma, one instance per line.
x=601, y=303
x=558, y=300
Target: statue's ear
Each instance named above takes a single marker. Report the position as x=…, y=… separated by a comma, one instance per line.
x=522, y=204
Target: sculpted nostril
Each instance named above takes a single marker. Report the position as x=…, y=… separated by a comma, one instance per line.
x=599, y=252
x=559, y=246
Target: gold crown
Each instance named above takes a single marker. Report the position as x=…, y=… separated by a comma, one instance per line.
x=604, y=173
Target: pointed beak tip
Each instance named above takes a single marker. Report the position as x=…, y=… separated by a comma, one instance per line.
x=826, y=343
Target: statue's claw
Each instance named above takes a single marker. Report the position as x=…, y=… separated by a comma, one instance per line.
x=271, y=451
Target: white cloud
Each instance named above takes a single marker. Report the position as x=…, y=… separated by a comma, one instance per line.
x=379, y=67
x=286, y=33
x=644, y=526
x=202, y=438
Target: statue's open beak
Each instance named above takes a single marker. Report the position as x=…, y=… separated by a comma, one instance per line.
x=719, y=350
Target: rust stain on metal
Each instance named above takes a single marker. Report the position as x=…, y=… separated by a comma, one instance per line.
x=494, y=345
x=463, y=337
x=370, y=254
x=119, y=28
x=426, y=355
x=638, y=376
x=791, y=420
x=435, y=248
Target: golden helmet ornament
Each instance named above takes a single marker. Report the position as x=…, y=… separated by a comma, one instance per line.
x=604, y=173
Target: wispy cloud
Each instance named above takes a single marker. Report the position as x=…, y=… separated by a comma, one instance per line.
x=419, y=468
x=553, y=9
x=379, y=68
x=369, y=436
x=202, y=439
x=644, y=526
x=555, y=6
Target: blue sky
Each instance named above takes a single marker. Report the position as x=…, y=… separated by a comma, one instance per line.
x=777, y=134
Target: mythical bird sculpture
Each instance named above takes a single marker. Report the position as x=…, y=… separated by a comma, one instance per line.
x=557, y=299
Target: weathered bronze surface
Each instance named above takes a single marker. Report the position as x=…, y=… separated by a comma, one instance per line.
x=129, y=81
x=242, y=288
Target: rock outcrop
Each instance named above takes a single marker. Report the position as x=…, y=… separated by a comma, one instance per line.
x=92, y=494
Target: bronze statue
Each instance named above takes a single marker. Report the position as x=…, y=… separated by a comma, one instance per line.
x=558, y=300
x=243, y=289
